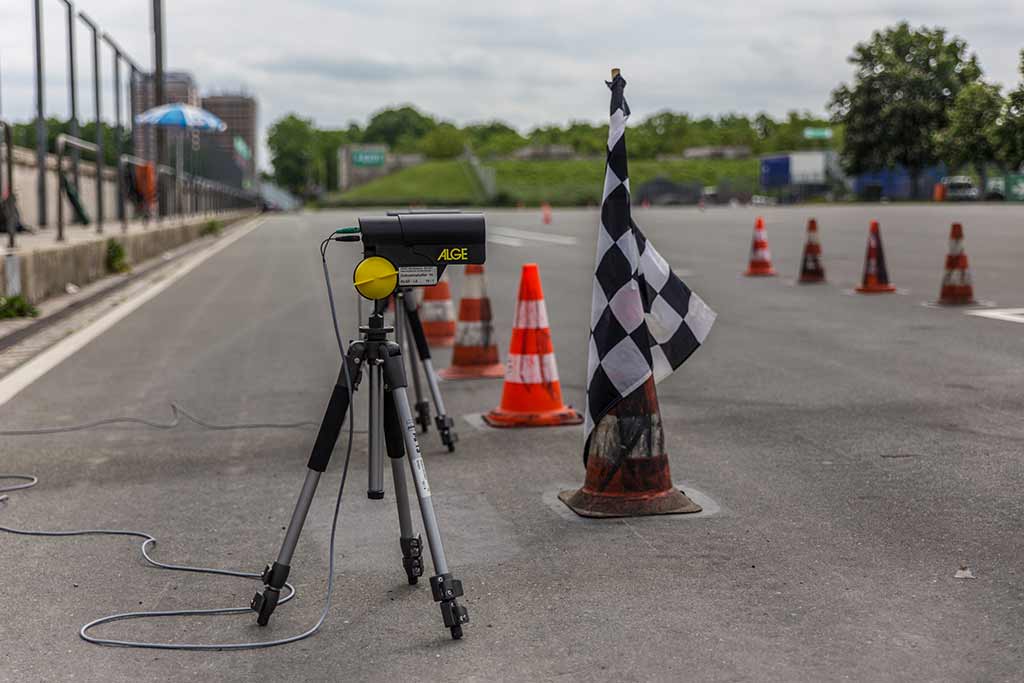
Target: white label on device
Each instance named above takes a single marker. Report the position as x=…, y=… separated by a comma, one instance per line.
x=417, y=276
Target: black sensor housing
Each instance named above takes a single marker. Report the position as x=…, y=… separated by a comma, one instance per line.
x=426, y=238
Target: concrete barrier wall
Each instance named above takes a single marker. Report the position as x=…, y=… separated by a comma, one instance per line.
x=25, y=179
x=46, y=272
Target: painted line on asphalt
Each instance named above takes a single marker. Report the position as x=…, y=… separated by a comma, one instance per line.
x=505, y=241
x=1010, y=315
x=28, y=373
x=516, y=234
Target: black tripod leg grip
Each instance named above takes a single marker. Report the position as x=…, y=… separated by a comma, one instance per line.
x=394, y=440
x=331, y=425
x=422, y=347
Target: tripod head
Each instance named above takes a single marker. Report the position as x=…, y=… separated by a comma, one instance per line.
x=412, y=248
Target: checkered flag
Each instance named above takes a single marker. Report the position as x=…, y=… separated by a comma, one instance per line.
x=644, y=320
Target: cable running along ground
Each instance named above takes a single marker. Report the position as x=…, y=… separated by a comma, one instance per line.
x=28, y=481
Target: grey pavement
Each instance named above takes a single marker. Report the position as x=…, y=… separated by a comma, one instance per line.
x=860, y=449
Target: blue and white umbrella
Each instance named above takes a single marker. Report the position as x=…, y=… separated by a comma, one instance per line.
x=181, y=116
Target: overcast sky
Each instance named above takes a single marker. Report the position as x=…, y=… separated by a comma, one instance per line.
x=527, y=62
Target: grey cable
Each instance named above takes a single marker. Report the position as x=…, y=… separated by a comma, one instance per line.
x=29, y=481
x=177, y=412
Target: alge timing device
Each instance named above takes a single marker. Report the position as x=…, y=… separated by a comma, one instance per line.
x=400, y=250
x=412, y=249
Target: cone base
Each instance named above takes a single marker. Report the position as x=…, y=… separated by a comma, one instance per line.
x=549, y=418
x=490, y=371
x=587, y=504
x=759, y=272
x=875, y=289
x=957, y=302
x=811, y=279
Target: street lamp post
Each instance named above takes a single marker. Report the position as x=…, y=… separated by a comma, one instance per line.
x=99, y=121
x=37, y=13
x=72, y=86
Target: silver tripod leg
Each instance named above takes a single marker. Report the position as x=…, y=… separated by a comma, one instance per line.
x=375, y=467
x=445, y=588
x=435, y=390
x=412, y=546
x=414, y=369
x=401, y=498
x=419, y=477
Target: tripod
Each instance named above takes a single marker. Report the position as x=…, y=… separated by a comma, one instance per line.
x=407, y=321
x=389, y=415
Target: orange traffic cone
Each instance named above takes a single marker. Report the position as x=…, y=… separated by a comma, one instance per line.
x=545, y=213
x=957, y=289
x=475, y=354
x=760, y=254
x=627, y=467
x=876, y=275
x=532, y=395
x=811, y=269
x=437, y=313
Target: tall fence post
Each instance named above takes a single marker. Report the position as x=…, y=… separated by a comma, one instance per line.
x=37, y=13
x=118, y=131
x=97, y=96
x=72, y=86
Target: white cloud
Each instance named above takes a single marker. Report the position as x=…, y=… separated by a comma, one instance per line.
x=528, y=62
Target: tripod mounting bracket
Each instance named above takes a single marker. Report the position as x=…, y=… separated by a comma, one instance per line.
x=446, y=589
x=264, y=604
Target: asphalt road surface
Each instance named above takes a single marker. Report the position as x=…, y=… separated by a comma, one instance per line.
x=858, y=450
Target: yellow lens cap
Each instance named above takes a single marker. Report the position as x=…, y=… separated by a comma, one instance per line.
x=375, y=277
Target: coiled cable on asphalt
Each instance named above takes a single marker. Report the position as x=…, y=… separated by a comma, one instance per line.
x=28, y=481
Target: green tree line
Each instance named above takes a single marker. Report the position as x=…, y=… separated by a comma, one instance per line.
x=24, y=135
x=304, y=155
x=917, y=98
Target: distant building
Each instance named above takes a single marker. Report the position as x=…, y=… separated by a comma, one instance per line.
x=544, y=152
x=179, y=88
x=239, y=113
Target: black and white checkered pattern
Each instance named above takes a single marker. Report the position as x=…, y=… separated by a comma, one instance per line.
x=644, y=319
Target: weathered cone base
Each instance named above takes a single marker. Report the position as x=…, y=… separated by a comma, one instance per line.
x=760, y=272
x=550, y=418
x=811, y=279
x=962, y=295
x=589, y=504
x=876, y=289
x=490, y=371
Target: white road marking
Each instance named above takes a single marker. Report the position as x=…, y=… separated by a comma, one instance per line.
x=476, y=421
x=1010, y=315
x=513, y=233
x=28, y=373
x=506, y=241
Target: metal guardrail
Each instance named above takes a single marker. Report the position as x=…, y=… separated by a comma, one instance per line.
x=203, y=194
x=64, y=140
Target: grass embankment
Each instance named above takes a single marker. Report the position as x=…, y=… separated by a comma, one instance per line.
x=562, y=183
x=436, y=183
x=580, y=182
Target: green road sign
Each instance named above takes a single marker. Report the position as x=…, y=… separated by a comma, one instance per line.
x=362, y=157
x=1015, y=187
x=817, y=133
